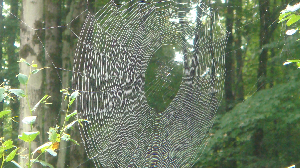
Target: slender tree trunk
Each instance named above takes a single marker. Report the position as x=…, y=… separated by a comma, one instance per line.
x=264, y=39
x=1, y=72
x=13, y=65
x=239, y=53
x=229, y=98
x=53, y=59
x=30, y=50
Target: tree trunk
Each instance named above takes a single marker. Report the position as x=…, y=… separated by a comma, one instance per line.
x=239, y=53
x=229, y=98
x=53, y=59
x=30, y=50
x=264, y=39
x=13, y=65
x=77, y=155
x=1, y=72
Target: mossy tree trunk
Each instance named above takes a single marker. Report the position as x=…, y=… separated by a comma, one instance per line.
x=30, y=50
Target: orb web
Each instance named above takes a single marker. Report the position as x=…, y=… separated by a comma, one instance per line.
x=113, y=52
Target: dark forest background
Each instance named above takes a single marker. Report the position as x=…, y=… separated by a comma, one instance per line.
x=257, y=124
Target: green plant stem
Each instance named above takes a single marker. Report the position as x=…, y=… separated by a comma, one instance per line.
x=29, y=150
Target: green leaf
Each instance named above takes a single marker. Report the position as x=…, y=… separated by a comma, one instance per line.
x=18, y=92
x=2, y=91
x=41, y=162
x=298, y=64
x=35, y=71
x=28, y=136
x=66, y=137
x=283, y=15
x=23, y=79
x=11, y=156
x=292, y=60
x=294, y=18
x=38, y=103
x=51, y=152
x=74, y=141
x=34, y=65
x=3, y=113
x=52, y=134
x=73, y=97
x=43, y=147
x=71, y=115
x=29, y=120
x=23, y=60
x=16, y=164
x=7, y=145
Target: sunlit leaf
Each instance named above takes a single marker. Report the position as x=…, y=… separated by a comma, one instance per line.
x=3, y=113
x=35, y=71
x=51, y=152
x=41, y=162
x=34, y=65
x=43, y=147
x=38, y=103
x=7, y=145
x=22, y=78
x=66, y=137
x=2, y=91
x=18, y=92
x=16, y=164
x=11, y=156
x=28, y=136
x=293, y=19
x=23, y=60
x=29, y=120
x=71, y=115
x=55, y=146
x=52, y=134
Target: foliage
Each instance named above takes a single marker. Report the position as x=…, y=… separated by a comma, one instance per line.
x=8, y=151
x=292, y=17
x=276, y=112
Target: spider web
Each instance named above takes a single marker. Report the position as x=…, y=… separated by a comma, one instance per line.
x=114, y=49
x=115, y=105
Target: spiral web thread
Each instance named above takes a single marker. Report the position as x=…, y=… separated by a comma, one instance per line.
x=113, y=51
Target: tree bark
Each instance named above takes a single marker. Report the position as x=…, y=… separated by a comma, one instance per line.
x=53, y=59
x=239, y=54
x=13, y=65
x=1, y=72
x=30, y=50
x=264, y=39
x=229, y=97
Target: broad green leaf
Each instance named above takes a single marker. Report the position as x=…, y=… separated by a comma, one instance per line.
x=52, y=134
x=7, y=145
x=28, y=136
x=29, y=120
x=43, y=147
x=3, y=113
x=22, y=78
x=35, y=71
x=71, y=115
x=293, y=19
x=16, y=164
x=18, y=92
x=283, y=15
x=51, y=152
x=11, y=156
x=298, y=64
x=41, y=162
x=2, y=90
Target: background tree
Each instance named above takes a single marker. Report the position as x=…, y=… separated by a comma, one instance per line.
x=31, y=50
